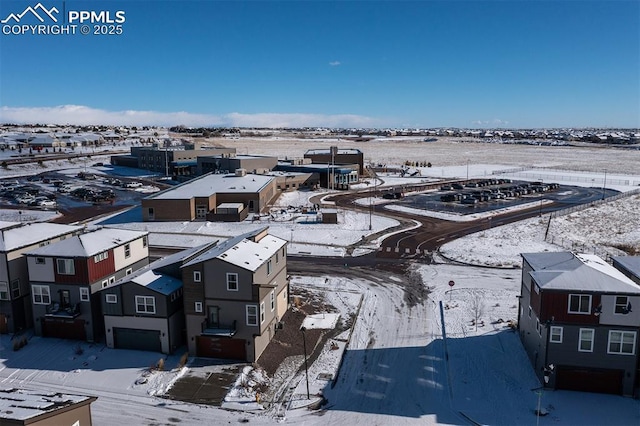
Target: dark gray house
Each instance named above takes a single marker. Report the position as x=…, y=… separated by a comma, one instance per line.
x=144, y=310
x=578, y=320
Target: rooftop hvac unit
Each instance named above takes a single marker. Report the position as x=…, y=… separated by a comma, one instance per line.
x=241, y=172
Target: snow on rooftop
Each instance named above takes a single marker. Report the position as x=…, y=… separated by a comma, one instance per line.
x=215, y=184
x=250, y=255
x=162, y=283
x=22, y=404
x=90, y=243
x=15, y=235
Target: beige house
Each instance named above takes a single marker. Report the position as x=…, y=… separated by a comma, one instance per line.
x=200, y=198
x=235, y=294
x=36, y=408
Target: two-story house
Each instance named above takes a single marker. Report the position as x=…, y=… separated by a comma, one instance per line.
x=144, y=310
x=235, y=293
x=65, y=278
x=17, y=238
x=578, y=324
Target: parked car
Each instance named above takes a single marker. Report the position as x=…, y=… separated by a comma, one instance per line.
x=131, y=185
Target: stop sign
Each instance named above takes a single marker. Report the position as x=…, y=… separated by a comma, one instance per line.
x=451, y=283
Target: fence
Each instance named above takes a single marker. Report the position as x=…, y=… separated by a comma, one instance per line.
x=584, y=247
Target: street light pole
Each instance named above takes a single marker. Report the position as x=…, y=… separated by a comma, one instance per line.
x=604, y=183
x=306, y=365
x=467, y=169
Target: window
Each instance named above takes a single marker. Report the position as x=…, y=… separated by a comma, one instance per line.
x=112, y=280
x=622, y=342
x=555, y=335
x=621, y=305
x=4, y=290
x=269, y=267
x=40, y=261
x=84, y=294
x=198, y=307
x=273, y=300
x=145, y=241
x=585, y=343
x=197, y=277
x=538, y=328
x=65, y=266
x=261, y=312
x=145, y=304
x=111, y=298
x=252, y=315
x=101, y=256
x=127, y=250
x=277, y=257
x=105, y=283
x=232, y=282
x=41, y=295
x=580, y=304
x=529, y=311
x=15, y=289
x=129, y=271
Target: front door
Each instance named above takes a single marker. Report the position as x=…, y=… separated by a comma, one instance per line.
x=214, y=317
x=65, y=299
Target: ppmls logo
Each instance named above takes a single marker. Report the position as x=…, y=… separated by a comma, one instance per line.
x=34, y=11
x=40, y=20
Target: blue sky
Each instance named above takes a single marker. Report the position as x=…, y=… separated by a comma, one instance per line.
x=515, y=64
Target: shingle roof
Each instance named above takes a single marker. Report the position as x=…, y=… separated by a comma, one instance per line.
x=89, y=244
x=242, y=251
x=577, y=272
x=15, y=235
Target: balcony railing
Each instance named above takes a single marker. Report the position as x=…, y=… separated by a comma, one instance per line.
x=226, y=330
x=56, y=310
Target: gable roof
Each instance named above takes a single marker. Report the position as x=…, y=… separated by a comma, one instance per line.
x=89, y=244
x=577, y=272
x=243, y=251
x=150, y=277
x=629, y=263
x=15, y=235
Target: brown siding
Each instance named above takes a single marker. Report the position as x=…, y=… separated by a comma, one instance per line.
x=81, y=274
x=556, y=307
x=101, y=269
x=168, y=210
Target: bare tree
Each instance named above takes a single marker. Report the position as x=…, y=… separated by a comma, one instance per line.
x=477, y=308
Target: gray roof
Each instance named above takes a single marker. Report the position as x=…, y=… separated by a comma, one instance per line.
x=210, y=184
x=242, y=251
x=152, y=279
x=630, y=263
x=89, y=244
x=16, y=235
x=22, y=404
x=577, y=272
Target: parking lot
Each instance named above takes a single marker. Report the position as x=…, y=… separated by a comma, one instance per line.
x=492, y=194
x=58, y=191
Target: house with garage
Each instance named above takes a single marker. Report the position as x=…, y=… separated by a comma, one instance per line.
x=144, y=310
x=578, y=320
x=629, y=266
x=17, y=238
x=235, y=294
x=66, y=278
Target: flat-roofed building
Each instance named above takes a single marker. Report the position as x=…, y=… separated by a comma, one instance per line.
x=335, y=155
x=230, y=163
x=199, y=198
x=39, y=408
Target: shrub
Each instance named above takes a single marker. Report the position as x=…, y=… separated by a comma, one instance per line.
x=183, y=360
x=160, y=365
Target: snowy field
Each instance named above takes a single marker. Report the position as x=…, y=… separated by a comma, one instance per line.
x=394, y=369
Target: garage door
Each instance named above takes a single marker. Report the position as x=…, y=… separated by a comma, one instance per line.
x=141, y=340
x=216, y=347
x=587, y=380
x=64, y=328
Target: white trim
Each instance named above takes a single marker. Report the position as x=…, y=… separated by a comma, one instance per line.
x=580, y=307
x=262, y=314
x=593, y=335
x=621, y=342
x=84, y=294
x=42, y=292
x=111, y=298
x=254, y=308
x=197, y=277
x=551, y=334
x=233, y=274
x=148, y=302
x=197, y=306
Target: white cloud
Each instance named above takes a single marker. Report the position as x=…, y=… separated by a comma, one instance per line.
x=334, y=63
x=494, y=122
x=83, y=115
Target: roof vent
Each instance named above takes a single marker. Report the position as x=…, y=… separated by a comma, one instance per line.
x=241, y=172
